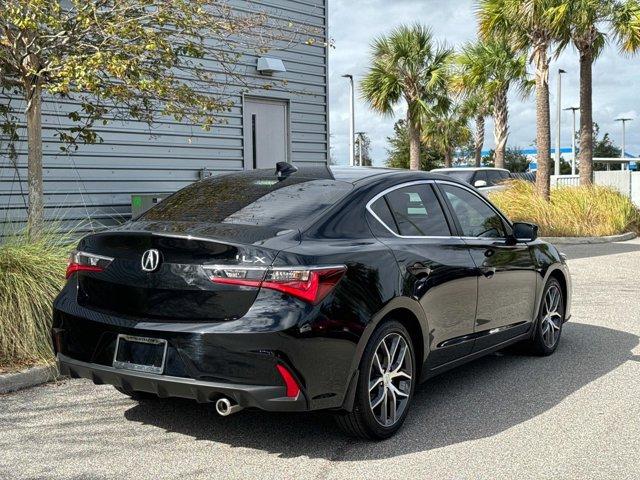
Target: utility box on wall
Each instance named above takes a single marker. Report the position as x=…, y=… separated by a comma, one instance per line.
x=143, y=202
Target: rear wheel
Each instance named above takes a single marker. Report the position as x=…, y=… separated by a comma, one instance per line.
x=385, y=385
x=136, y=395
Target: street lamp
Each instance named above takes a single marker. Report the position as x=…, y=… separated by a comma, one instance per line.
x=352, y=126
x=573, y=139
x=624, y=131
x=557, y=155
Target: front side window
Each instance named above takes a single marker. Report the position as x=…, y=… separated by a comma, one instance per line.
x=412, y=211
x=476, y=217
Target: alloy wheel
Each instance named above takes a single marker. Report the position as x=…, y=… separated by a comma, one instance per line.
x=390, y=378
x=551, y=316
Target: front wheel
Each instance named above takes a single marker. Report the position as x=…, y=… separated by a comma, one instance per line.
x=550, y=320
x=385, y=385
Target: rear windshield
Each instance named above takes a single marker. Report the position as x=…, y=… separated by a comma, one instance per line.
x=251, y=198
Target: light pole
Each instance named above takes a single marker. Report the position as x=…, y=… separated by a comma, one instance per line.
x=624, y=132
x=556, y=170
x=573, y=139
x=352, y=125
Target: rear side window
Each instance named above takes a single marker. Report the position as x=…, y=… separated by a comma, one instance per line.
x=381, y=209
x=251, y=198
x=412, y=211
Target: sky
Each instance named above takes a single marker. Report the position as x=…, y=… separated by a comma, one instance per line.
x=354, y=24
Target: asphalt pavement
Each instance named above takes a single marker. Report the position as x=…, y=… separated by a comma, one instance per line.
x=574, y=415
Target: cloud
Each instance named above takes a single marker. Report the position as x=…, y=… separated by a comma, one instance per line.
x=354, y=24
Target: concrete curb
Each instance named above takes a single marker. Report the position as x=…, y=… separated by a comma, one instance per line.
x=589, y=240
x=29, y=377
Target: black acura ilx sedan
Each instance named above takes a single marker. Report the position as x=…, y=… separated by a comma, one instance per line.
x=303, y=289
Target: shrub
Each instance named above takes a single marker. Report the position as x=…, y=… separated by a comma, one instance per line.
x=571, y=211
x=32, y=272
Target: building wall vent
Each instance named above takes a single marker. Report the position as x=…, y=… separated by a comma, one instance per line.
x=269, y=66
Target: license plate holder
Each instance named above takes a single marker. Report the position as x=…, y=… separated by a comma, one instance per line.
x=141, y=354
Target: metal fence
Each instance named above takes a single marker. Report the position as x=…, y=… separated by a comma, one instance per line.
x=625, y=181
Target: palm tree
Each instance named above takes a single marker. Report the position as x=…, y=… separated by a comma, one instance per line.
x=586, y=26
x=408, y=64
x=446, y=131
x=529, y=25
x=491, y=67
x=477, y=104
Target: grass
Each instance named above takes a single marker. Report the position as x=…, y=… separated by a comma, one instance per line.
x=31, y=275
x=571, y=211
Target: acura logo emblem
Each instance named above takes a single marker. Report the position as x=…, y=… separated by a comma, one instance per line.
x=150, y=260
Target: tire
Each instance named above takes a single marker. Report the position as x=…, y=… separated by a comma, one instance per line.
x=136, y=395
x=540, y=343
x=366, y=421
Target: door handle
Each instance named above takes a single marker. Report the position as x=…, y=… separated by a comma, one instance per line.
x=489, y=272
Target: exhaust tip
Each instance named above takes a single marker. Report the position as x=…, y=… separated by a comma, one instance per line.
x=225, y=407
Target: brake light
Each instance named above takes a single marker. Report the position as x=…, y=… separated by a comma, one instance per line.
x=293, y=390
x=310, y=284
x=86, y=262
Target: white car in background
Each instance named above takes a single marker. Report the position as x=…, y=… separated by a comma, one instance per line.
x=485, y=179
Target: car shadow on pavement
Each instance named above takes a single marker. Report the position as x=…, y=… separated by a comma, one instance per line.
x=478, y=400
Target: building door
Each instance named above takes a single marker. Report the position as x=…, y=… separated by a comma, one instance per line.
x=266, y=133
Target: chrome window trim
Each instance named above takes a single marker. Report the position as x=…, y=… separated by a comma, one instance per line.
x=82, y=253
x=396, y=187
x=427, y=182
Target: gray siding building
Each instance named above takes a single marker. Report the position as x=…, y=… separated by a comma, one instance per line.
x=286, y=121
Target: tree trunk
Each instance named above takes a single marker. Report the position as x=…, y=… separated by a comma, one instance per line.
x=501, y=126
x=414, y=144
x=586, y=117
x=34, y=170
x=479, y=139
x=543, y=123
x=448, y=158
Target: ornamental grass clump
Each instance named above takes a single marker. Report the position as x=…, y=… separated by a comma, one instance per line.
x=585, y=211
x=32, y=272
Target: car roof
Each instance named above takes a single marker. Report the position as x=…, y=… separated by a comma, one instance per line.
x=359, y=175
x=463, y=169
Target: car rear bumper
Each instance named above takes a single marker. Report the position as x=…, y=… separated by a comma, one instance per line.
x=271, y=398
x=240, y=358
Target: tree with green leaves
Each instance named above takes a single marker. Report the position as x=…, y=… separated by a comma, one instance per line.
x=447, y=131
x=533, y=26
x=121, y=59
x=410, y=65
x=363, y=150
x=492, y=67
x=477, y=104
x=398, y=150
x=588, y=25
x=514, y=160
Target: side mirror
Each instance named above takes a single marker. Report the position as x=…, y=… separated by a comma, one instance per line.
x=525, y=232
x=480, y=183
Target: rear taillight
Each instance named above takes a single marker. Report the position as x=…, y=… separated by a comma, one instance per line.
x=86, y=262
x=311, y=284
